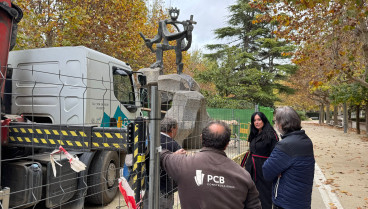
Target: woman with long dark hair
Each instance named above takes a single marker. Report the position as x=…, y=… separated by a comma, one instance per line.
x=262, y=139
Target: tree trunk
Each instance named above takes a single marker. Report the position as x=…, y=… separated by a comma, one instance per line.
x=320, y=114
x=345, y=122
x=366, y=119
x=363, y=36
x=323, y=114
x=357, y=119
x=335, y=115
x=328, y=117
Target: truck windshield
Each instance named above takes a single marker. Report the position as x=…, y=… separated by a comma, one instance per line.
x=123, y=88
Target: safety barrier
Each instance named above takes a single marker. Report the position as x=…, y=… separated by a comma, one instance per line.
x=42, y=161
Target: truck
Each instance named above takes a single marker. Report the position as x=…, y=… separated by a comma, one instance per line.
x=76, y=98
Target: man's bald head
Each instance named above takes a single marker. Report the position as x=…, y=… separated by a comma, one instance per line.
x=216, y=128
x=216, y=135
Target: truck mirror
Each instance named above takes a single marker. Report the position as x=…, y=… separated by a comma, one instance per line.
x=142, y=79
x=130, y=108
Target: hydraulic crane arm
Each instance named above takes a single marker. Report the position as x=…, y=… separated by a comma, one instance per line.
x=10, y=15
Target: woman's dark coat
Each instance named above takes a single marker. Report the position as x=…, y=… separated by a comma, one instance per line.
x=261, y=147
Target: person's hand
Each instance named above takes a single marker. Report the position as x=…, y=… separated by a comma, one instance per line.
x=181, y=152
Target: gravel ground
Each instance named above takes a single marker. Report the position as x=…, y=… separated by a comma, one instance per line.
x=342, y=159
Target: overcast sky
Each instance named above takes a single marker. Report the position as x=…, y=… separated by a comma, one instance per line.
x=209, y=15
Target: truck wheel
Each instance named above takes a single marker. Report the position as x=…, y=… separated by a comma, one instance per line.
x=103, y=178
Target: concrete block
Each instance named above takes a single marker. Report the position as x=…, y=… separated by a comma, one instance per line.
x=152, y=75
x=175, y=82
x=189, y=109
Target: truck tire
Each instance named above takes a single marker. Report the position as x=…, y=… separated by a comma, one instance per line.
x=103, y=178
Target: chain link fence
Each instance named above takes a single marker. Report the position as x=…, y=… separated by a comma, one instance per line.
x=237, y=119
x=71, y=129
x=77, y=129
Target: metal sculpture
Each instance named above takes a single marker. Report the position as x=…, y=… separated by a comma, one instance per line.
x=165, y=36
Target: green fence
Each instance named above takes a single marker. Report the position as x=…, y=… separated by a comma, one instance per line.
x=268, y=111
x=238, y=119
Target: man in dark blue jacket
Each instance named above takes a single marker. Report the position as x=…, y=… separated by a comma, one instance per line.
x=169, y=128
x=291, y=163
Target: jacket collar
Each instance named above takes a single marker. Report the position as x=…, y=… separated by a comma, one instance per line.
x=210, y=149
x=165, y=134
x=293, y=133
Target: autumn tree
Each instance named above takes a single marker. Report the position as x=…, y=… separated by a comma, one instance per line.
x=352, y=93
x=301, y=99
x=256, y=58
x=345, y=21
x=111, y=27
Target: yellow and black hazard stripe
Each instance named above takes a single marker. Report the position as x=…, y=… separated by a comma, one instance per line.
x=49, y=136
x=71, y=137
x=139, y=148
x=109, y=138
x=18, y=140
x=47, y=131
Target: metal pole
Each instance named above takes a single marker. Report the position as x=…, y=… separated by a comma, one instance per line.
x=155, y=147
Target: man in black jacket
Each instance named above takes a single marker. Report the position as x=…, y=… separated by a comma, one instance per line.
x=169, y=128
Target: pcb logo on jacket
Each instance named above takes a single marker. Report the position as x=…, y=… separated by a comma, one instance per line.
x=210, y=178
x=199, y=177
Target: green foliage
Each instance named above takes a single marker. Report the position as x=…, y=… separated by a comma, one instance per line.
x=353, y=93
x=216, y=101
x=251, y=69
x=302, y=115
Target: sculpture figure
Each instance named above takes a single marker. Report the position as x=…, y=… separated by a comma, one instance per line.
x=165, y=35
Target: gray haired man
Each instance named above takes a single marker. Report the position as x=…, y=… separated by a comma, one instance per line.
x=169, y=128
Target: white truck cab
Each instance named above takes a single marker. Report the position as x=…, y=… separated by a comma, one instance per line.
x=73, y=85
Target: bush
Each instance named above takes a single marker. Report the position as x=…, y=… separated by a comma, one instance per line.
x=302, y=115
x=360, y=119
x=312, y=114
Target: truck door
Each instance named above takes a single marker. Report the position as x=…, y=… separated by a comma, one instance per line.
x=98, y=96
x=123, y=95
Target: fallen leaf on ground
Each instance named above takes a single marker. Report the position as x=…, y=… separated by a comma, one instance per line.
x=329, y=181
x=345, y=192
x=332, y=206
